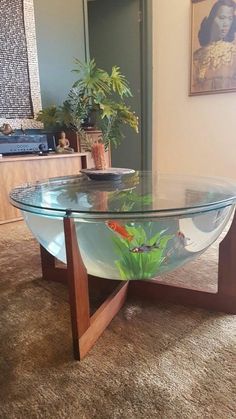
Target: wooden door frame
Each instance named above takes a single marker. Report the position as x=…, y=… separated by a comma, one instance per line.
x=146, y=82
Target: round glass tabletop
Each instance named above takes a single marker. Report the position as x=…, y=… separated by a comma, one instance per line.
x=153, y=194
x=137, y=227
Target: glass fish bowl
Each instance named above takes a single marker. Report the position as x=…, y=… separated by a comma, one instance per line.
x=136, y=228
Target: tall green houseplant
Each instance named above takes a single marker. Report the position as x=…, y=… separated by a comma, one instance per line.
x=97, y=99
x=105, y=96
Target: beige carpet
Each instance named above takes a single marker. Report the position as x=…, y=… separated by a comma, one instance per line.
x=164, y=361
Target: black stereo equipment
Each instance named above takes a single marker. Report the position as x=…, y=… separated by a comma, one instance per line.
x=23, y=144
x=51, y=142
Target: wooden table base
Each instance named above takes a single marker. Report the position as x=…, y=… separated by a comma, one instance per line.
x=86, y=329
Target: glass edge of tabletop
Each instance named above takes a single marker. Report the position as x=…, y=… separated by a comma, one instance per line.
x=103, y=215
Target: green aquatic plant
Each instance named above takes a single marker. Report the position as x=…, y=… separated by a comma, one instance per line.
x=141, y=257
x=128, y=200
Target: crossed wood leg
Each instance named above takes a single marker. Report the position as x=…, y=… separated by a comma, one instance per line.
x=86, y=329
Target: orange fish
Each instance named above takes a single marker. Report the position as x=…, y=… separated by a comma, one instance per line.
x=119, y=229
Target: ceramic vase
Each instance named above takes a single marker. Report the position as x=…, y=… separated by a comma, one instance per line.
x=98, y=155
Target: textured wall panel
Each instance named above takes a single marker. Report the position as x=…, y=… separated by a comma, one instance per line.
x=15, y=96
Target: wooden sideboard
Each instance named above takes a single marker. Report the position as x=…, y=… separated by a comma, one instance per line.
x=19, y=170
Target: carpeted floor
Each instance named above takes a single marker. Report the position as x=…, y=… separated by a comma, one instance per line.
x=164, y=361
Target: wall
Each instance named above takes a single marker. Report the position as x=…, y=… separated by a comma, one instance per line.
x=195, y=135
x=60, y=38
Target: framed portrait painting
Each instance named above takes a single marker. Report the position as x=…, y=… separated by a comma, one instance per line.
x=213, y=47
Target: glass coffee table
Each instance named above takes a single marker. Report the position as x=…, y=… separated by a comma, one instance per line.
x=131, y=229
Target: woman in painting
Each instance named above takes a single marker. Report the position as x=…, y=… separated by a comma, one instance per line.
x=214, y=64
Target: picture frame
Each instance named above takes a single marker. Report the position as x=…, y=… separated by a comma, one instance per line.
x=16, y=45
x=213, y=47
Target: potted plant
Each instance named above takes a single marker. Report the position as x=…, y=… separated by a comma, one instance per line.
x=96, y=101
x=62, y=118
